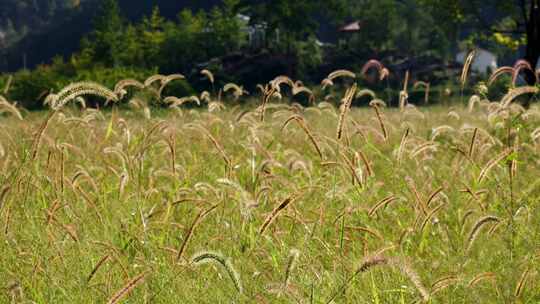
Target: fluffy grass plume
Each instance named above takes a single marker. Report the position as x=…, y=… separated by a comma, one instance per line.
x=514, y=93
x=466, y=67
x=345, y=106
x=375, y=64
x=208, y=75
x=5, y=106
x=476, y=229
x=74, y=90
x=341, y=74
x=208, y=256
x=499, y=72
x=519, y=66
x=426, y=86
x=375, y=107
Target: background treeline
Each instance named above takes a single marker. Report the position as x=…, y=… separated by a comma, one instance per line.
x=108, y=40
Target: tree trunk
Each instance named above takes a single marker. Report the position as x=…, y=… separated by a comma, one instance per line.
x=533, y=41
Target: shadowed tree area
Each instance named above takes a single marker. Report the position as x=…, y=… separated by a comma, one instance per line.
x=250, y=41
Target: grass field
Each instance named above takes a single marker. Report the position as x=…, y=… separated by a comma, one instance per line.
x=310, y=205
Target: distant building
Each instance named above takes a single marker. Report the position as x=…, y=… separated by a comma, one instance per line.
x=256, y=33
x=345, y=33
x=484, y=62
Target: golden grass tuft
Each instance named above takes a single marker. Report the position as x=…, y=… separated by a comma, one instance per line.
x=476, y=229
x=208, y=75
x=514, y=93
x=345, y=106
x=74, y=90
x=466, y=68
x=5, y=106
x=341, y=74
x=499, y=72
x=375, y=64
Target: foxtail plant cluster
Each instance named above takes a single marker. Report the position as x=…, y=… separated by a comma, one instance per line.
x=283, y=202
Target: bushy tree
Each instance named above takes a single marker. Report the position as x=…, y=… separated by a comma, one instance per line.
x=152, y=38
x=105, y=40
x=155, y=42
x=226, y=27
x=183, y=44
x=131, y=48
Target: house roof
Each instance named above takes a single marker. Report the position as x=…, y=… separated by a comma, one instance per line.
x=351, y=27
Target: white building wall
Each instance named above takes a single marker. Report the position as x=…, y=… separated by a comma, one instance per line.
x=484, y=62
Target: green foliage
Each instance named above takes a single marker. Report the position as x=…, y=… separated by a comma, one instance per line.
x=155, y=42
x=499, y=24
x=291, y=26
x=182, y=45
x=29, y=88
x=311, y=54
x=200, y=37
x=152, y=38
x=295, y=20
x=104, y=41
x=402, y=28
x=227, y=28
